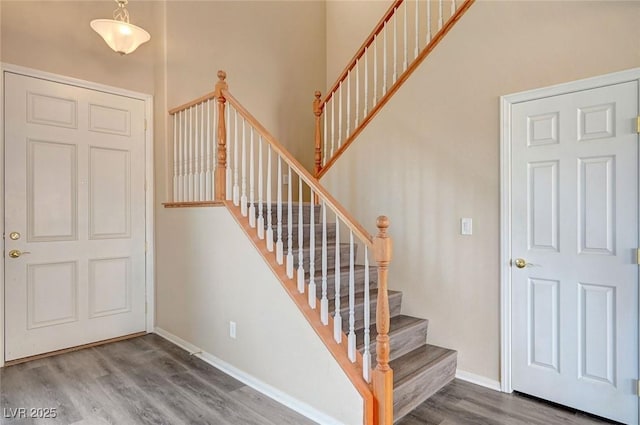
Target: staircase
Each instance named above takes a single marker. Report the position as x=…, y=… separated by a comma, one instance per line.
x=420, y=369
x=318, y=251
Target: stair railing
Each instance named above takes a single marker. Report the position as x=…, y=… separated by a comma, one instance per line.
x=403, y=38
x=265, y=188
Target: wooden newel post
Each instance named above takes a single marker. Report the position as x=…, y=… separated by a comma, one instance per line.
x=317, y=111
x=221, y=167
x=382, y=378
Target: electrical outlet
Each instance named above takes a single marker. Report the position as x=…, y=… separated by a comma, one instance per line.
x=285, y=179
x=232, y=330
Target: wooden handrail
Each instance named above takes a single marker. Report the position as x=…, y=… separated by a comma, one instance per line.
x=208, y=96
x=382, y=377
x=311, y=181
x=361, y=50
x=395, y=86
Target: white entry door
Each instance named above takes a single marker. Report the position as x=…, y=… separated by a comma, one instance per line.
x=575, y=224
x=74, y=216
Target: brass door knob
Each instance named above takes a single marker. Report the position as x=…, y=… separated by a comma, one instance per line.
x=16, y=253
x=520, y=263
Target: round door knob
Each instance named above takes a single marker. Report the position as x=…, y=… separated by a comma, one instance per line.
x=16, y=253
x=520, y=263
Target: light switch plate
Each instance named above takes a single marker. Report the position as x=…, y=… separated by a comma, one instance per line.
x=466, y=226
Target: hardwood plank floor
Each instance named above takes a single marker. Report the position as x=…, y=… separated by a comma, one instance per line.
x=462, y=403
x=145, y=380
x=148, y=380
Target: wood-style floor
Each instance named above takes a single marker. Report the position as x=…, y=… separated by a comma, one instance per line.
x=145, y=380
x=462, y=403
x=148, y=380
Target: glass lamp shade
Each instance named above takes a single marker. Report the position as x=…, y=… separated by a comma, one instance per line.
x=122, y=37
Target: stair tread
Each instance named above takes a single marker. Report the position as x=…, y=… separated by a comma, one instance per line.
x=344, y=270
x=398, y=324
x=406, y=367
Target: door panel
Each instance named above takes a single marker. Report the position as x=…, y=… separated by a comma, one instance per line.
x=74, y=191
x=575, y=222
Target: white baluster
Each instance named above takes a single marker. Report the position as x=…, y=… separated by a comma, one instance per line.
x=312, y=252
x=375, y=70
x=453, y=7
x=300, y=238
x=406, y=42
x=366, y=355
x=209, y=173
x=260, y=223
x=440, y=20
x=366, y=82
x=395, y=43
x=236, y=188
x=185, y=158
x=340, y=115
x=357, y=93
x=230, y=169
x=428, y=5
x=203, y=141
x=417, y=49
x=252, y=205
x=243, y=161
x=289, y=228
x=180, y=177
x=191, y=154
x=351, y=339
x=337, y=318
x=384, y=59
x=333, y=122
x=348, y=103
x=196, y=157
x=269, y=234
x=324, y=301
x=279, y=246
x=175, y=158
x=324, y=136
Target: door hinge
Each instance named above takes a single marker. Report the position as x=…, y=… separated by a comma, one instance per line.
x=145, y=123
x=146, y=246
x=638, y=256
x=146, y=307
x=638, y=387
x=638, y=124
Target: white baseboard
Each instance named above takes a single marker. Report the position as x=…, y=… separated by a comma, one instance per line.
x=478, y=380
x=285, y=399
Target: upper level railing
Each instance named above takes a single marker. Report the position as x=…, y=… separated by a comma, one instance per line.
x=222, y=153
x=403, y=38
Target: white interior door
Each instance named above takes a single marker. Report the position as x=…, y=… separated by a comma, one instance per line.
x=74, y=216
x=575, y=223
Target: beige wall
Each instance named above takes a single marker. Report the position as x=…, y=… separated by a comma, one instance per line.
x=274, y=342
x=55, y=36
x=432, y=155
x=348, y=23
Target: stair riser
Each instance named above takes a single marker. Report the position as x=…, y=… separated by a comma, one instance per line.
x=344, y=282
x=331, y=256
x=395, y=304
x=404, y=342
x=409, y=396
x=306, y=214
x=331, y=235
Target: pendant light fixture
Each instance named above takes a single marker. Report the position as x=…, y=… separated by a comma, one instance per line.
x=118, y=33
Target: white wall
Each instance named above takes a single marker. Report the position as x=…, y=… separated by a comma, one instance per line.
x=432, y=155
x=231, y=282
